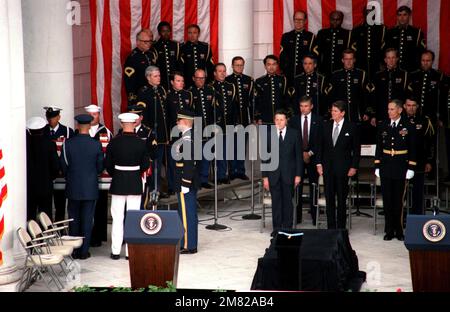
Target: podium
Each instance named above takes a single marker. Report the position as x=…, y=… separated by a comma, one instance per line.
x=288, y=246
x=153, y=239
x=428, y=240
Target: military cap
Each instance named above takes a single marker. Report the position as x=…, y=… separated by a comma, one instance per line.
x=84, y=119
x=36, y=123
x=136, y=109
x=93, y=108
x=185, y=114
x=128, y=117
x=52, y=111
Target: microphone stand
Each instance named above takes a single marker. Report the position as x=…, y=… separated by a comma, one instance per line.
x=252, y=215
x=216, y=226
x=436, y=200
x=154, y=195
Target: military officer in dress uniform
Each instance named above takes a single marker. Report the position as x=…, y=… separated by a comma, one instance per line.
x=406, y=39
x=186, y=181
x=425, y=143
x=103, y=135
x=388, y=84
x=168, y=54
x=444, y=117
x=177, y=98
x=205, y=105
x=226, y=92
x=137, y=62
x=81, y=162
x=244, y=86
x=153, y=98
x=368, y=41
x=126, y=160
x=42, y=168
x=425, y=84
x=349, y=84
x=310, y=83
x=395, y=162
x=295, y=45
x=195, y=54
x=58, y=133
x=331, y=43
x=271, y=93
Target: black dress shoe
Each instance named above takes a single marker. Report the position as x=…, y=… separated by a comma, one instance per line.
x=388, y=237
x=171, y=193
x=232, y=177
x=85, y=256
x=400, y=237
x=188, y=251
x=75, y=255
x=115, y=257
x=207, y=186
x=96, y=244
x=223, y=181
x=126, y=258
x=243, y=177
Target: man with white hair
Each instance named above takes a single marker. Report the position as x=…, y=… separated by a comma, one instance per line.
x=127, y=158
x=103, y=135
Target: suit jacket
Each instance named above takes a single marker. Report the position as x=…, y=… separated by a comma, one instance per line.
x=81, y=162
x=345, y=154
x=290, y=159
x=314, y=133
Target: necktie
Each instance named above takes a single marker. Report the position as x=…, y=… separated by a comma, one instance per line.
x=335, y=134
x=281, y=137
x=393, y=125
x=52, y=132
x=305, y=134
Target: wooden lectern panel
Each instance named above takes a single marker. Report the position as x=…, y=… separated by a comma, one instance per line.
x=430, y=270
x=153, y=264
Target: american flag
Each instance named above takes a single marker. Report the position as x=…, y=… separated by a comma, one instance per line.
x=3, y=193
x=432, y=16
x=114, y=25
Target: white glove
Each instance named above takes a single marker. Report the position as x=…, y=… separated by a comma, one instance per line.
x=184, y=190
x=377, y=172
x=409, y=174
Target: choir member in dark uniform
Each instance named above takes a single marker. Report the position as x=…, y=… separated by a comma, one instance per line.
x=187, y=181
x=271, y=93
x=295, y=45
x=406, y=39
x=58, y=133
x=137, y=62
x=126, y=159
x=169, y=53
x=81, y=162
x=337, y=161
x=244, y=86
x=42, y=168
x=331, y=43
x=195, y=55
x=395, y=162
x=103, y=135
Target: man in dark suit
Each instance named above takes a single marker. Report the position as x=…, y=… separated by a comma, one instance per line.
x=309, y=126
x=337, y=161
x=282, y=181
x=81, y=163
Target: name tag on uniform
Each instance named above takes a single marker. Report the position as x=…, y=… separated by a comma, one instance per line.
x=230, y=92
x=403, y=132
x=305, y=42
x=245, y=85
x=202, y=56
x=356, y=80
x=340, y=41
x=409, y=38
x=209, y=97
x=172, y=53
x=398, y=80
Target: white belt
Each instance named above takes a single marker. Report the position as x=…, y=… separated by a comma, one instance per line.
x=127, y=168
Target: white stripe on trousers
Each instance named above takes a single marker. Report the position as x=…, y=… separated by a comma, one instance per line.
x=117, y=212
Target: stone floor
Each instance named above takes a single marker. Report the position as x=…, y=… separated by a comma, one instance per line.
x=228, y=259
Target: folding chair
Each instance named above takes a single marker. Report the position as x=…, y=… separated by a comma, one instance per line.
x=38, y=262
x=60, y=229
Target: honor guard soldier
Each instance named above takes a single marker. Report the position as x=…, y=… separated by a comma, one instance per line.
x=395, y=162
x=137, y=62
x=177, y=99
x=82, y=162
x=271, y=93
x=295, y=45
x=58, y=133
x=186, y=181
x=229, y=108
x=169, y=54
x=349, y=85
x=368, y=41
x=444, y=117
x=244, y=86
x=388, y=84
x=406, y=39
x=126, y=160
x=425, y=84
x=103, y=135
x=425, y=152
x=206, y=106
x=310, y=83
x=331, y=43
x=195, y=55
x=42, y=168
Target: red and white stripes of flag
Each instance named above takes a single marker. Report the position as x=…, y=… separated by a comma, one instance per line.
x=3, y=193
